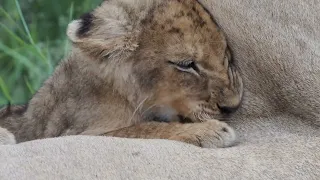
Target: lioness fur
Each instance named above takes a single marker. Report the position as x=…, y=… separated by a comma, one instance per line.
x=137, y=69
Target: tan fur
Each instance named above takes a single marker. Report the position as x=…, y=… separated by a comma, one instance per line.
x=123, y=72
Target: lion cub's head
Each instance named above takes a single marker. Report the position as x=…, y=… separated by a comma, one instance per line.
x=166, y=56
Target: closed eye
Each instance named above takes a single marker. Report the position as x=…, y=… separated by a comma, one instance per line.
x=186, y=66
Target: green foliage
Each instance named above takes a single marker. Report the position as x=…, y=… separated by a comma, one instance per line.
x=32, y=42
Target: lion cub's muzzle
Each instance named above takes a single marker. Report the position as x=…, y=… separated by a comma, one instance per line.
x=231, y=97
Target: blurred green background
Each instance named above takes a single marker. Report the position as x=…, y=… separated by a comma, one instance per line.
x=32, y=42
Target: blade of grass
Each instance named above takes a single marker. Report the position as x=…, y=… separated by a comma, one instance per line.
x=7, y=15
x=22, y=42
x=29, y=34
x=18, y=70
x=66, y=47
x=23, y=60
x=71, y=11
x=12, y=34
x=18, y=49
x=48, y=56
x=5, y=90
x=24, y=23
x=30, y=88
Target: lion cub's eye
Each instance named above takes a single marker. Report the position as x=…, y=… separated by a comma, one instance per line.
x=186, y=66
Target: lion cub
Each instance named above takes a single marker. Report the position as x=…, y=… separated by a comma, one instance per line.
x=138, y=69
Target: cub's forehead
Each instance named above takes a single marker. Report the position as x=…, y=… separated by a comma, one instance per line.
x=134, y=15
x=137, y=11
x=186, y=28
x=181, y=26
x=182, y=17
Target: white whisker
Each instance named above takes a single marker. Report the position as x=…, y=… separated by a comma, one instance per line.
x=138, y=107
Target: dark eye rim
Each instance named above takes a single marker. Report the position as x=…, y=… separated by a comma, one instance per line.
x=187, y=64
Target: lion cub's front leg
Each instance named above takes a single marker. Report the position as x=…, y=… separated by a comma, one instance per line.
x=210, y=134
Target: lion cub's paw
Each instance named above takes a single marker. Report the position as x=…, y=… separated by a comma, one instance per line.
x=210, y=134
x=6, y=138
x=218, y=134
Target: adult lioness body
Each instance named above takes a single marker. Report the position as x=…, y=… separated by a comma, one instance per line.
x=135, y=63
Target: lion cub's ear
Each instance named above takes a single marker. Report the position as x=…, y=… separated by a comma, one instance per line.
x=105, y=31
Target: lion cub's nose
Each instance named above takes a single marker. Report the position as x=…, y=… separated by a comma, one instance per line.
x=227, y=110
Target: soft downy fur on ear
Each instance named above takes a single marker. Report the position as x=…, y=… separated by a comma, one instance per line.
x=111, y=29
